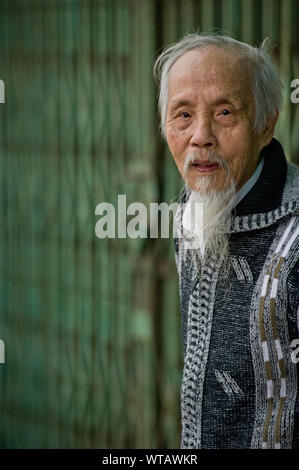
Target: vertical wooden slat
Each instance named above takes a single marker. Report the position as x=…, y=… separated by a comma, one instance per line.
x=207, y=14
x=284, y=124
x=169, y=21
x=270, y=12
x=186, y=15
x=247, y=21
x=231, y=17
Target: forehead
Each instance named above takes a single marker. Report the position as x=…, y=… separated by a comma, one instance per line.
x=212, y=71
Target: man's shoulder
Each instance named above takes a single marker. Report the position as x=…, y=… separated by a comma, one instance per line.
x=291, y=188
x=292, y=174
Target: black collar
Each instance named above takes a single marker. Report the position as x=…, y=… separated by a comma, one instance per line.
x=266, y=194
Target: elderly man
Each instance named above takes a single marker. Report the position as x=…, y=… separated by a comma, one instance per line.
x=238, y=263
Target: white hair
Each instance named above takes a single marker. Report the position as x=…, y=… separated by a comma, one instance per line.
x=266, y=84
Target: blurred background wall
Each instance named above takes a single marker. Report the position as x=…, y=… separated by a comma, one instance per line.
x=92, y=326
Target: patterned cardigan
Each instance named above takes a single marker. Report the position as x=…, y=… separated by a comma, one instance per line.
x=240, y=383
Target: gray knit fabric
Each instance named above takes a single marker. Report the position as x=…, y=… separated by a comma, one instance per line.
x=240, y=387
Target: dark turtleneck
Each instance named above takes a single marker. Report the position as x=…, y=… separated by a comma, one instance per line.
x=266, y=194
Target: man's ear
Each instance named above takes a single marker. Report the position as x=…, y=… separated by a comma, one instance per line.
x=269, y=129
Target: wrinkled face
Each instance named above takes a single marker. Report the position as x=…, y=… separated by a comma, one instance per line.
x=211, y=111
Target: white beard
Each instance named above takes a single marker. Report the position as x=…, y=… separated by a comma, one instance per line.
x=205, y=233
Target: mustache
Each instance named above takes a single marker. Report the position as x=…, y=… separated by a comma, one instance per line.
x=213, y=157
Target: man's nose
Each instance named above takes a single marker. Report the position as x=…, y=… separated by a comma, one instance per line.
x=203, y=135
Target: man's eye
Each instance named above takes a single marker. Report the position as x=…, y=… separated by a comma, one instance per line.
x=185, y=115
x=225, y=112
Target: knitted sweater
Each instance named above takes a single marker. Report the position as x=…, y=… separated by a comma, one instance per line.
x=240, y=384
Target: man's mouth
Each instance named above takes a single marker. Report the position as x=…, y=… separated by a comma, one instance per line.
x=205, y=166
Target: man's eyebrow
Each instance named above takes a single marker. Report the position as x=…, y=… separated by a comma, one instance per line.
x=222, y=100
x=178, y=103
